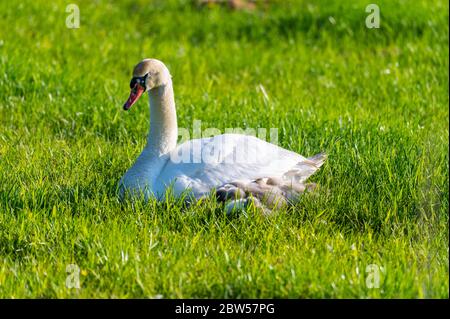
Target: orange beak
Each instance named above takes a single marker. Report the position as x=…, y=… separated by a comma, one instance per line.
x=135, y=94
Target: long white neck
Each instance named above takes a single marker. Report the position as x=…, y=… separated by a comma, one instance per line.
x=163, y=134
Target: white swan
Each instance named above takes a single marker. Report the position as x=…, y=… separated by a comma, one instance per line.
x=241, y=169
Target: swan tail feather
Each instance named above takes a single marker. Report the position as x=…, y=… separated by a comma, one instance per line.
x=318, y=159
x=304, y=169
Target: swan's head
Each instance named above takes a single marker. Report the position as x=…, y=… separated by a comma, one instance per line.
x=147, y=75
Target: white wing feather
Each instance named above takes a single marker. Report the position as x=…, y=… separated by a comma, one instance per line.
x=203, y=164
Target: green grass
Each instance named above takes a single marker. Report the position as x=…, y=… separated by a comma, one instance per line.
x=376, y=100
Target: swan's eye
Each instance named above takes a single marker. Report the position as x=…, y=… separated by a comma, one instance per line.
x=141, y=80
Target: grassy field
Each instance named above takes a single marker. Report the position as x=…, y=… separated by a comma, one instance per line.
x=376, y=100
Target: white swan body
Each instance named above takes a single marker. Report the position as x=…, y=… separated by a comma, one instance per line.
x=239, y=165
x=210, y=163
